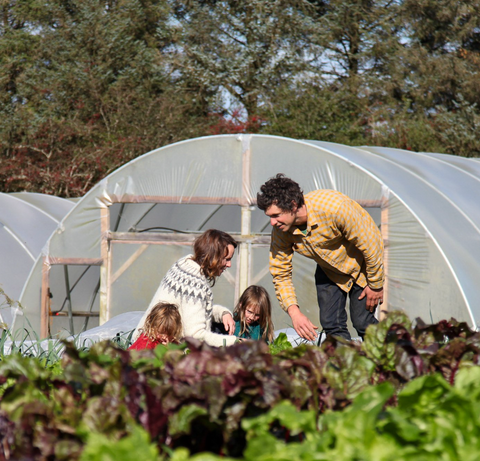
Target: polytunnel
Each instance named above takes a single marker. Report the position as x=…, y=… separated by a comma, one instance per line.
x=26, y=222
x=109, y=253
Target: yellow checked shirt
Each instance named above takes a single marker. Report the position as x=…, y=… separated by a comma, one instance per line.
x=341, y=237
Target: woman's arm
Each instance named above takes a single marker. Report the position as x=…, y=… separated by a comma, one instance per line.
x=223, y=315
x=195, y=324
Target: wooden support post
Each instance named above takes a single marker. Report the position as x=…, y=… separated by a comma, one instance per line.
x=105, y=267
x=244, y=252
x=45, y=301
x=54, y=261
x=246, y=223
x=384, y=230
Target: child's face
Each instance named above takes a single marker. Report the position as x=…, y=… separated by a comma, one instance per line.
x=252, y=314
x=164, y=339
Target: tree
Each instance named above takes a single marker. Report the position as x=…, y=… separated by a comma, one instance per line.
x=439, y=58
x=87, y=85
x=358, y=37
x=95, y=92
x=436, y=73
x=240, y=52
x=18, y=47
x=311, y=111
x=339, y=102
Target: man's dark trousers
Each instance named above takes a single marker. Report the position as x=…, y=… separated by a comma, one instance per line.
x=332, y=301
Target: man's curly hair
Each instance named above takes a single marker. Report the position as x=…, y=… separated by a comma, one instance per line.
x=282, y=192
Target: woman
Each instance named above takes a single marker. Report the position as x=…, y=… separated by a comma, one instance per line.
x=188, y=285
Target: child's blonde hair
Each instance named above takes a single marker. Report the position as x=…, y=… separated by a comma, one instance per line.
x=255, y=296
x=163, y=321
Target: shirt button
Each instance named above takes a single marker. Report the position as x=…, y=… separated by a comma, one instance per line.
x=349, y=284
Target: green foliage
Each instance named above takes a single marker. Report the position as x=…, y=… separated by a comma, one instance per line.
x=280, y=343
x=391, y=396
x=181, y=422
x=86, y=88
x=380, y=342
x=243, y=50
x=313, y=111
x=28, y=344
x=286, y=415
x=348, y=371
x=432, y=420
x=136, y=445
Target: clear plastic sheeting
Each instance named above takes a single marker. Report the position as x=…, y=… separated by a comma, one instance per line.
x=26, y=223
x=121, y=325
x=442, y=246
x=469, y=165
x=55, y=207
x=108, y=255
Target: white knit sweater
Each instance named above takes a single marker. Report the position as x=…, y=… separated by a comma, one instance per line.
x=185, y=286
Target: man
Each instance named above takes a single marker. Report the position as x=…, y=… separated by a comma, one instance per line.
x=341, y=237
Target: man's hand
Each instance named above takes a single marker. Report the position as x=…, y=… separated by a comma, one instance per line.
x=302, y=324
x=228, y=323
x=374, y=297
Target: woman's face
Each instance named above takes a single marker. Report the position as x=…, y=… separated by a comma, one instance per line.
x=227, y=260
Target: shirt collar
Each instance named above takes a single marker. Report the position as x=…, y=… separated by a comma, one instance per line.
x=311, y=219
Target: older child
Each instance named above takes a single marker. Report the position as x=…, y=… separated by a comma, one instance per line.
x=253, y=315
x=163, y=325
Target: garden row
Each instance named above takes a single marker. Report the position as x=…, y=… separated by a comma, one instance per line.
x=404, y=393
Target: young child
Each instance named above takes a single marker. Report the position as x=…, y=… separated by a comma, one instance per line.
x=163, y=325
x=253, y=315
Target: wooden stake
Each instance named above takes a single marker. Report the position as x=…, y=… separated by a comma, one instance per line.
x=45, y=301
x=384, y=230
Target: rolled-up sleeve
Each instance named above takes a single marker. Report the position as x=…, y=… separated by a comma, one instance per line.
x=218, y=312
x=195, y=324
x=281, y=253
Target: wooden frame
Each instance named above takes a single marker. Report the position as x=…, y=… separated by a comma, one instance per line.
x=384, y=230
x=246, y=240
x=45, y=298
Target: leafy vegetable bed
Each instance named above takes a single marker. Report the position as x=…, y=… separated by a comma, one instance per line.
x=405, y=393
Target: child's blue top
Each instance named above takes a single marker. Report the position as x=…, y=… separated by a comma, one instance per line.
x=252, y=332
